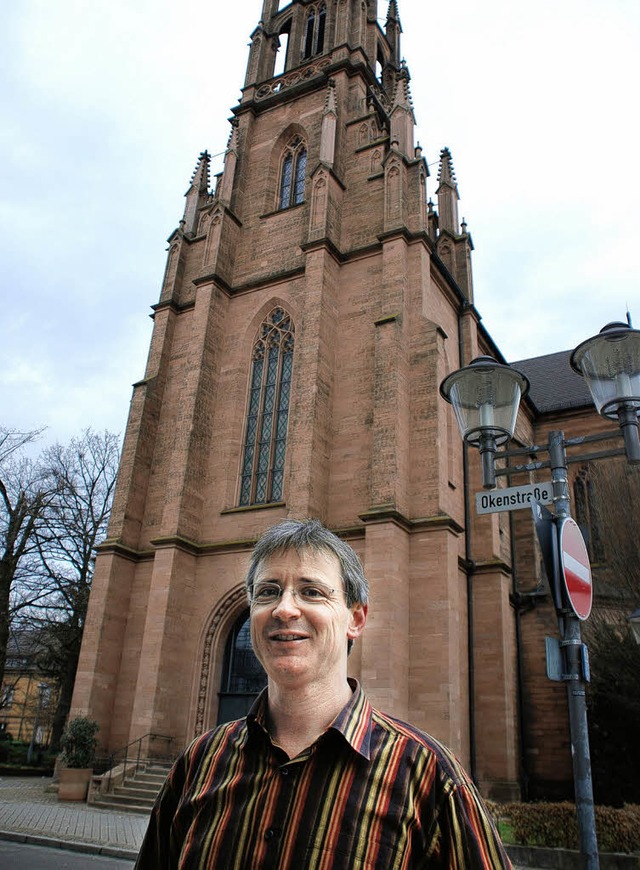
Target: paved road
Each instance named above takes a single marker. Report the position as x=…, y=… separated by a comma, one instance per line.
x=21, y=856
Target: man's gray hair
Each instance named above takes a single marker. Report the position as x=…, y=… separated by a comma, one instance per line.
x=300, y=535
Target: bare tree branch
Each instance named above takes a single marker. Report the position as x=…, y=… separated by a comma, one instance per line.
x=26, y=490
x=77, y=519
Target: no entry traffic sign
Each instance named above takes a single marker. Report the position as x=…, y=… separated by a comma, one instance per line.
x=576, y=570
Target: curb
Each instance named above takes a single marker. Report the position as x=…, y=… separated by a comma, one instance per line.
x=70, y=845
x=566, y=859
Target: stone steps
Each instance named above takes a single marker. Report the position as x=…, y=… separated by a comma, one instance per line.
x=138, y=792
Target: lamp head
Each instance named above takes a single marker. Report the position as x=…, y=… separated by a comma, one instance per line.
x=485, y=396
x=610, y=364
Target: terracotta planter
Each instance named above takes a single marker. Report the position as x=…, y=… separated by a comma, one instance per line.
x=73, y=784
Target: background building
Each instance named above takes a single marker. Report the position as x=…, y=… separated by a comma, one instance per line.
x=28, y=698
x=312, y=303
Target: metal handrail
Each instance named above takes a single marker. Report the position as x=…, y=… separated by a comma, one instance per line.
x=113, y=756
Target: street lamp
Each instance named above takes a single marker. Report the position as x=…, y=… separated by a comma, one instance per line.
x=610, y=364
x=485, y=396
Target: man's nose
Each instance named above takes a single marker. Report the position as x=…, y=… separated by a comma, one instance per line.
x=287, y=604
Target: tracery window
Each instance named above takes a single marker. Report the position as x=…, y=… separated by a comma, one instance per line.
x=314, y=31
x=294, y=169
x=265, y=439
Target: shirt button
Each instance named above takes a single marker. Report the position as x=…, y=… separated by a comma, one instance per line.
x=270, y=833
x=284, y=771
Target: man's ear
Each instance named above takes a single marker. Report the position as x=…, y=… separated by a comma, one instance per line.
x=358, y=620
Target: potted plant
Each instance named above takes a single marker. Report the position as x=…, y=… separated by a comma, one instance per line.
x=78, y=744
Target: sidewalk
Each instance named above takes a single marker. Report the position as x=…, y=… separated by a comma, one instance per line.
x=30, y=814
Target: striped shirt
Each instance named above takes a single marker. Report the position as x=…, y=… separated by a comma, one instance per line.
x=371, y=792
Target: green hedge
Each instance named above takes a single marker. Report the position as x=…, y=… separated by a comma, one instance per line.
x=14, y=752
x=554, y=825
x=24, y=771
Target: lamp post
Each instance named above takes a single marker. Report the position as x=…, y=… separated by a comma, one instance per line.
x=485, y=396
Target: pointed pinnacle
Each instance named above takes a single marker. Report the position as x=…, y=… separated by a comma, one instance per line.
x=392, y=13
x=446, y=171
x=200, y=177
x=233, y=135
x=402, y=94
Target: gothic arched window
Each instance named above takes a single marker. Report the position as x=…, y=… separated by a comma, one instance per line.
x=282, y=54
x=294, y=169
x=243, y=676
x=314, y=31
x=265, y=437
x=322, y=20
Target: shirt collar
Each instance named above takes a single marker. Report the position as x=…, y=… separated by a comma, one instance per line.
x=353, y=722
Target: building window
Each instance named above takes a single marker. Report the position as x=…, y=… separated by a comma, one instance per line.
x=243, y=677
x=6, y=697
x=294, y=169
x=587, y=515
x=314, y=31
x=265, y=437
x=45, y=696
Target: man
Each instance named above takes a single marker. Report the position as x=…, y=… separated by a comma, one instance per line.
x=314, y=777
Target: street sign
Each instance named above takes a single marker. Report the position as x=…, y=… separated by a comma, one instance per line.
x=576, y=570
x=545, y=526
x=513, y=498
x=555, y=661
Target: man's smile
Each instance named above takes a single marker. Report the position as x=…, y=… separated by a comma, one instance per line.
x=287, y=636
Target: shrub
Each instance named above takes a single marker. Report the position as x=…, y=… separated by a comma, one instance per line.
x=78, y=742
x=554, y=825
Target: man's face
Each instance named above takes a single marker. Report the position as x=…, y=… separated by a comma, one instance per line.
x=302, y=638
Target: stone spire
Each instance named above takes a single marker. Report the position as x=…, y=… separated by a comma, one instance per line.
x=402, y=117
x=393, y=29
x=454, y=245
x=197, y=194
x=447, y=193
x=392, y=14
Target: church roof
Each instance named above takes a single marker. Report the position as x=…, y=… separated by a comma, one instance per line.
x=554, y=384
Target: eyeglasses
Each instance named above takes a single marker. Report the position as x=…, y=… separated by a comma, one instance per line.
x=304, y=593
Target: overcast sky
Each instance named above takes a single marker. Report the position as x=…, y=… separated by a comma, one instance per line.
x=106, y=105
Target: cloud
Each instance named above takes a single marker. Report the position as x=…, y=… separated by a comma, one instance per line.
x=107, y=105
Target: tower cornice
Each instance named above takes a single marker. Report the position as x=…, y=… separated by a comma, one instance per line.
x=314, y=76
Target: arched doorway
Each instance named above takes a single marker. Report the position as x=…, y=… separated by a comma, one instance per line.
x=243, y=676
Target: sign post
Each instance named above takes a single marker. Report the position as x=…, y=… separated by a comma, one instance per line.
x=545, y=526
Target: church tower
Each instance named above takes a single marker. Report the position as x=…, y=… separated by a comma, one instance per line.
x=313, y=301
